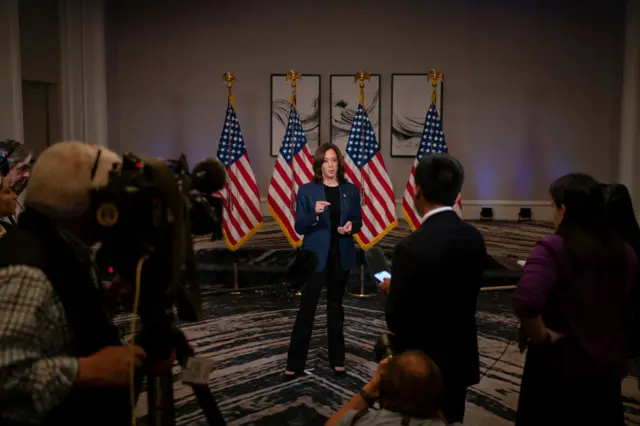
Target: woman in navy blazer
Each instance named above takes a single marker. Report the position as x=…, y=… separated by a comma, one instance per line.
x=327, y=215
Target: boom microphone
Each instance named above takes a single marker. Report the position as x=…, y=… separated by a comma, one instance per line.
x=209, y=176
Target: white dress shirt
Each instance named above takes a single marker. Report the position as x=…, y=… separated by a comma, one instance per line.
x=435, y=211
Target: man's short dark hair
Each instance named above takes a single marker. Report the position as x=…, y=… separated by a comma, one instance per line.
x=440, y=178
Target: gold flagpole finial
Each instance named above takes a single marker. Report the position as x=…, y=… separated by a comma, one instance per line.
x=293, y=77
x=230, y=79
x=361, y=77
x=434, y=76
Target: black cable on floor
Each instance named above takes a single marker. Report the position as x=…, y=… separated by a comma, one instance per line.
x=504, y=351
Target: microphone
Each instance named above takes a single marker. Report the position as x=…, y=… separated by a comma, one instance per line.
x=209, y=176
x=376, y=260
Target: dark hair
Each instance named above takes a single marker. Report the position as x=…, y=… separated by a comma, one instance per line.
x=318, y=160
x=589, y=239
x=621, y=214
x=440, y=178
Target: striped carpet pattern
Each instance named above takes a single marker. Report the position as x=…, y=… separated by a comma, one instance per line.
x=503, y=238
x=247, y=337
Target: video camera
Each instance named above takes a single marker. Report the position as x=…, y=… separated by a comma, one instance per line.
x=150, y=209
x=145, y=217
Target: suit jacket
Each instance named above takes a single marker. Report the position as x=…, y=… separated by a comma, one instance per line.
x=437, y=274
x=317, y=228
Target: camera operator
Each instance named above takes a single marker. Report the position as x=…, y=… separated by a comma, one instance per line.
x=15, y=163
x=62, y=359
x=410, y=390
x=437, y=274
x=8, y=206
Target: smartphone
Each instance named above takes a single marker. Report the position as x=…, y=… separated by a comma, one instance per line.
x=382, y=275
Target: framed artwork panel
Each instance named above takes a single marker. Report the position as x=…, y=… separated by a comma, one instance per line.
x=307, y=103
x=345, y=97
x=410, y=100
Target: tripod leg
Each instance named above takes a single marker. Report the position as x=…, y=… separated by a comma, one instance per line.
x=203, y=394
x=160, y=396
x=208, y=405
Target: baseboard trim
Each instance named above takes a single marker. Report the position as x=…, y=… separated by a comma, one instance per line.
x=502, y=209
x=492, y=203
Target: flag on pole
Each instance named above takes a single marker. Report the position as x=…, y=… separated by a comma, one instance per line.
x=365, y=168
x=293, y=168
x=241, y=217
x=433, y=140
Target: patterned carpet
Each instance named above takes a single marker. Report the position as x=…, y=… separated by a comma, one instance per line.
x=247, y=338
x=504, y=239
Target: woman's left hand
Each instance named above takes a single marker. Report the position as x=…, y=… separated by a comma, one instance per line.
x=523, y=340
x=346, y=229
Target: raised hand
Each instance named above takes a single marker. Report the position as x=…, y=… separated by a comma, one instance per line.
x=321, y=205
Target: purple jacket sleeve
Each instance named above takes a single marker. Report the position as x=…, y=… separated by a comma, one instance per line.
x=539, y=278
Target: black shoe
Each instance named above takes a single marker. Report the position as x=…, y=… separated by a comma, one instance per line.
x=290, y=377
x=339, y=373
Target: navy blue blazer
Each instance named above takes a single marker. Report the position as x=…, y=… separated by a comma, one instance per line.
x=317, y=229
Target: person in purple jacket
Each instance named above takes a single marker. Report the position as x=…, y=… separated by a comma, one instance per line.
x=573, y=301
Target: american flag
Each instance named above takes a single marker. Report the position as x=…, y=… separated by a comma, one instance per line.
x=294, y=168
x=433, y=140
x=365, y=168
x=241, y=217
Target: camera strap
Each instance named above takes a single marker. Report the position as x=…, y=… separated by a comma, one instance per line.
x=94, y=169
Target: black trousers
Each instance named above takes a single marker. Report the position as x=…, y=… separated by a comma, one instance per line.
x=549, y=397
x=455, y=400
x=335, y=278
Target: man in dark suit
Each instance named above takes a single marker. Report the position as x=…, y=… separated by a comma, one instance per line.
x=437, y=274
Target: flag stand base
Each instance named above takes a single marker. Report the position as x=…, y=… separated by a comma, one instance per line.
x=235, y=280
x=362, y=294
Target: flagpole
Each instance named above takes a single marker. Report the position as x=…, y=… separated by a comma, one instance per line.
x=293, y=77
x=359, y=78
x=230, y=79
x=436, y=76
